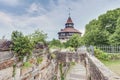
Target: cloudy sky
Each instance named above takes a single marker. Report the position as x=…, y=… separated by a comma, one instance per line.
x=49, y=15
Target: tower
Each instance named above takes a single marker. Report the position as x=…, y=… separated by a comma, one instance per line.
x=68, y=31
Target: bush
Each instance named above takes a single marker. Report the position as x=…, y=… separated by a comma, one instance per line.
x=114, y=56
x=21, y=45
x=53, y=56
x=71, y=49
x=39, y=60
x=101, y=55
x=55, y=43
x=27, y=64
x=105, y=56
x=75, y=41
x=72, y=63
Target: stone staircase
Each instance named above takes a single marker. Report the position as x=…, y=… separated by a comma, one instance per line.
x=78, y=72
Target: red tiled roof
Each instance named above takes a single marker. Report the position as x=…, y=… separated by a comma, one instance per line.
x=69, y=20
x=70, y=30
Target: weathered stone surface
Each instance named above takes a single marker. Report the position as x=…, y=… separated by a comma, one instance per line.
x=33, y=61
x=17, y=74
x=77, y=72
x=95, y=69
x=24, y=71
x=6, y=74
x=5, y=55
x=98, y=71
x=48, y=68
x=6, y=64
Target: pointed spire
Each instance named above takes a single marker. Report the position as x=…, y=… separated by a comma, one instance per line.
x=69, y=23
x=69, y=11
x=69, y=20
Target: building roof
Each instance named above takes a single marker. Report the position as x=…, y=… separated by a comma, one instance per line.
x=69, y=20
x=70, y=30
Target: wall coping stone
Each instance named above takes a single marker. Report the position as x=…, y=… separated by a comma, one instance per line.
x=107, y=73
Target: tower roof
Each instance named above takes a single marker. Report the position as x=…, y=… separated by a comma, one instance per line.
x=69, y=27
x=69, y=30
x=69, y=20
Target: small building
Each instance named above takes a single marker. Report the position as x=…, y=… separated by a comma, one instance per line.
x=68, y=31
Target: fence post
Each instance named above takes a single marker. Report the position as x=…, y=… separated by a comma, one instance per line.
x=92, y=50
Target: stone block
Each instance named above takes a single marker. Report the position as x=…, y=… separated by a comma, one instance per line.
x=24, y=71
x=6, y=64
x=17, y=74
x=6, y=74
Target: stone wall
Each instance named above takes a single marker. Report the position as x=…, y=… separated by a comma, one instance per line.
x=68, y=57
x=97, y=70
x=49, y=68
x=5, y=55
x=43, y=71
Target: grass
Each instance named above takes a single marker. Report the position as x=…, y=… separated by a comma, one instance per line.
x=113, y=66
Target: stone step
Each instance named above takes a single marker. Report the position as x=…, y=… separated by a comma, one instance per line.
x=78, y=72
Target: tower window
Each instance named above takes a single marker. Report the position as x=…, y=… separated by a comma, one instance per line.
x=70, y=25
x=70, y=34
x=62, y=34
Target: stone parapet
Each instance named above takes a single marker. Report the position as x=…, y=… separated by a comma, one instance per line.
x=98, y=71
x=6, y=64
x=44, y=71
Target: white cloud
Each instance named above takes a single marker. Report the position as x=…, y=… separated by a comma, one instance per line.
x=5, y=25
x=24, y=23
x=36, y=9
x=4, y=18
x=10, y=2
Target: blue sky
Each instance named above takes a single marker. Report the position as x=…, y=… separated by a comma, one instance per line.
x=49, y=15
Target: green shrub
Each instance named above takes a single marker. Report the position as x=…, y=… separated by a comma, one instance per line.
x=21, y=44
x=72, y=63
x=39, y=60
x=114, y=56
x=105, y=56
x=101, y=55
x=53, y=56
x=27, y=64
x=71, y=49
x=55, y=43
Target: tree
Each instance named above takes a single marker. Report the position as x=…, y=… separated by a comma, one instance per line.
x=38, y=36
x=109, y=20
x=96, y=37
x=99, y=31
x=114, y=39
x=21, y=44
x=74, y=41
x=55, y=43
x=15, y=35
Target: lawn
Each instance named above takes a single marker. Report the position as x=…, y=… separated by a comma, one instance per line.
x=113, y=65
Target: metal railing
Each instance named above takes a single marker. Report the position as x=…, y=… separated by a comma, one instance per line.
x=85, y=49
x=109, y=48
